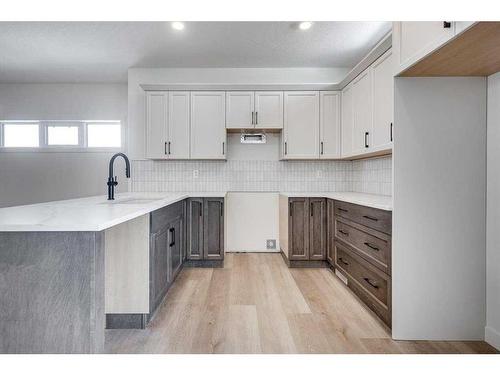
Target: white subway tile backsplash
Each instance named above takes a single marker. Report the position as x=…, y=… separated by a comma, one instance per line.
x=365, y=176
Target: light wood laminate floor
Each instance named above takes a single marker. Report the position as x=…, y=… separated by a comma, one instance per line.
x=255, y=304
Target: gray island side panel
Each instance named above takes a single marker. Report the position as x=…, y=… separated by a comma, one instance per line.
x=52, y=292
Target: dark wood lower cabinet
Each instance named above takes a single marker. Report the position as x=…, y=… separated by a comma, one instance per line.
x=167, y=242
x=205, y=231
x=362, y=245
x=307, y=229
x=355, y=240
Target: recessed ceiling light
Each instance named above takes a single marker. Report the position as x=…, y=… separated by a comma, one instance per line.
x=177, y=25
x=306, y=25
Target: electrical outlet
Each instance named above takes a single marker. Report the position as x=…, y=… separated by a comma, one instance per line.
x=271, y=244
x=196, y=173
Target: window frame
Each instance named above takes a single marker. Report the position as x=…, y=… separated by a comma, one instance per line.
x=43, y=146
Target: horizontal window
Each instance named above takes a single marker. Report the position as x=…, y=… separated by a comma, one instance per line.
x=104, y=135
x=63, y=135
x=21, y=135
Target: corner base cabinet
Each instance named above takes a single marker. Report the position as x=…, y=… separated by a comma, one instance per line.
x=205, y=230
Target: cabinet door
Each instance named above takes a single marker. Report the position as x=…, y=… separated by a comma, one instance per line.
x=213, y=228
x=330, y=231
x=414, y=40
x=195, y=228
x=175, y=247
x=329, y=125
x=317, y=228
x=208, y=131
x=159, y=266
x=383, y=102
x=347, y=122
x=298, y=229
x=178, y=125
x=301, y=125
x=156, y=125
x=269, y=109
x=362, y=105
x=239, y=109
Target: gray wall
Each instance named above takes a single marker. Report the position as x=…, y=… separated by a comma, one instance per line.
x=439, y=249
x=31, y=177
x=492, y=331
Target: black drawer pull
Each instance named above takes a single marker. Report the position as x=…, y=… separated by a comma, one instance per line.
x=370, y=218
x=342, y=209
x=371, y=246
x=343, y=232
x=343, y=262
x=373, y=285
x=172, y=236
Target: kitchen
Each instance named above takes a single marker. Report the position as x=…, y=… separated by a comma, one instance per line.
x=255, y=209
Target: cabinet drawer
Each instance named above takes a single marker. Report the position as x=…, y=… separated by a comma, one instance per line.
x=372, y=280
x=371, y=217
x=372, y=245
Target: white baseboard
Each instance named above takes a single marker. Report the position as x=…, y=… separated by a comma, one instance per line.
x=492, y=337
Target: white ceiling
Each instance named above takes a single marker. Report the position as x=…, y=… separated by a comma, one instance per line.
x=103, y=51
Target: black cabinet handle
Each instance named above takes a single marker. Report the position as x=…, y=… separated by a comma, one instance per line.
x=343, y=232
x=169, y=147
x=342, y=209
x=256, y=118
x=366, y=140
x=312, y=210
x=446, y=25
x=285, y=149
x=370, y=218
x=223, y=147
x=172, y=237
x=222, y=209
x=166, y=148
x=321, y=148
x=373, y=285
x=253, y=122
x=371, y=246
x=391, y=132
x=343, y=262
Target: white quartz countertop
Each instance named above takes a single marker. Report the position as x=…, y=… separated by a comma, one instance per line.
x=382, y=202
x=91, y=214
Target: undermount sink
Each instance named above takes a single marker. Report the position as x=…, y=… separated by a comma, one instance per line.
x=132, y=201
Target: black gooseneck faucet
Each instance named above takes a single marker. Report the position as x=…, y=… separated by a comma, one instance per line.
x=112, y=182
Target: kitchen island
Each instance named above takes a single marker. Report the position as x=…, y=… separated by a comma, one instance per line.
x=68, y=266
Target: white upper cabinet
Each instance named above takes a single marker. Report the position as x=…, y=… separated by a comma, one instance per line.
x=362, y=99
x=347, y=122
x=269, y=110
x=249, y=109
x=329, y=125
x=414, y=40
x=240, y=111
x=167, y=119
x=383, y=102
x=301, y=125
x=178, y=125
x=208, y=133
x=156, y=124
